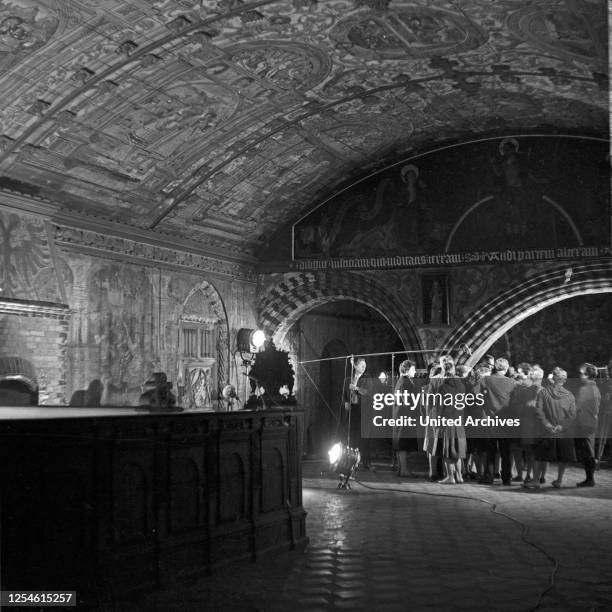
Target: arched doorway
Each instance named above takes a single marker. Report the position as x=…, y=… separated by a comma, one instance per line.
x=322, y=340
x=16, y=393
x=18, y=382
x=283, y=304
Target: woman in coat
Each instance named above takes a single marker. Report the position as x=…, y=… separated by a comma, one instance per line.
x=555, y=411
x=453, y=435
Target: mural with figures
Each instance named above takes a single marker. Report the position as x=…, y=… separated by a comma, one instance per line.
x=95, y=328
x=132, y=320
x=503, y=193
x=224, y=120
x=120, y=313
x=26, y=266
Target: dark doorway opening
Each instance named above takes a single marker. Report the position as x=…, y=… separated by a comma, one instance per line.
x=17, y=393
x=327, y=336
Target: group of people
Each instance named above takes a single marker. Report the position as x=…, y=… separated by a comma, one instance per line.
x=552, y=423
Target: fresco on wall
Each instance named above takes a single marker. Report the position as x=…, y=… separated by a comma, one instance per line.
x=121, y=328
x=505, y=193
x=565, y=334
x=26, y=268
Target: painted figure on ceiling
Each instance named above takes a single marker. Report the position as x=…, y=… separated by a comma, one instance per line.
x=569, y=30
x=517, y=198
x=398, y=219
x=404, y=215
x=417, y=230
x=23, y=29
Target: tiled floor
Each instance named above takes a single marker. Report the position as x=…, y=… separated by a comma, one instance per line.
x=394, y=544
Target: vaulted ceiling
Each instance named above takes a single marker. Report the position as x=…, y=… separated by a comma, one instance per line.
x=215, y=123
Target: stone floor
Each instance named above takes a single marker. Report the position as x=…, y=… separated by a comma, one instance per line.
x=394, y=544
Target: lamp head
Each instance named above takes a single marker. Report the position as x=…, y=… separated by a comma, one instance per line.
x=342, y=459
x=258, y=338
x=250, y=340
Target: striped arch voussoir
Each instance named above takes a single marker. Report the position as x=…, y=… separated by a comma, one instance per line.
x=285, y=303
x=500, y=314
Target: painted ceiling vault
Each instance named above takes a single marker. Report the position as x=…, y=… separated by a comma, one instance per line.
x=217, y=122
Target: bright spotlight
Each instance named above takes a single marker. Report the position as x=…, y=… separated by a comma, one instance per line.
x=258, y=338
x=343, y=461
x=335, y=453
x=250, y=340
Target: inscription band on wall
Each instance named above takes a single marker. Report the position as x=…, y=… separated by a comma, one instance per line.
x=474, y=257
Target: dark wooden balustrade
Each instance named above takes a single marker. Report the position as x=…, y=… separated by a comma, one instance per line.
x=109, y=505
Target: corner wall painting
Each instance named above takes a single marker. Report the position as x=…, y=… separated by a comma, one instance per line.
x=516, y=193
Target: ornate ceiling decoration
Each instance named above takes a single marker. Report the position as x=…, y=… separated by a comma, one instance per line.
x=218, y=122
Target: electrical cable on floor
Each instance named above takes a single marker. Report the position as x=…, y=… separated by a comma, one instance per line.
x=493, y=507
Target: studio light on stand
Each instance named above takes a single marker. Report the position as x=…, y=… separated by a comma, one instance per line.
x=249, y=341
x=343, y=461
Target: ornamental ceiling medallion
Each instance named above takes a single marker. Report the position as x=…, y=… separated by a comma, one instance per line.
x=577, y=34
x=25, y=27
x=290, y=66
x=406, y=32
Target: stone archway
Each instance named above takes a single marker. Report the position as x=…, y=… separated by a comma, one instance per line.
x=296, y=294
x=510, y=307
